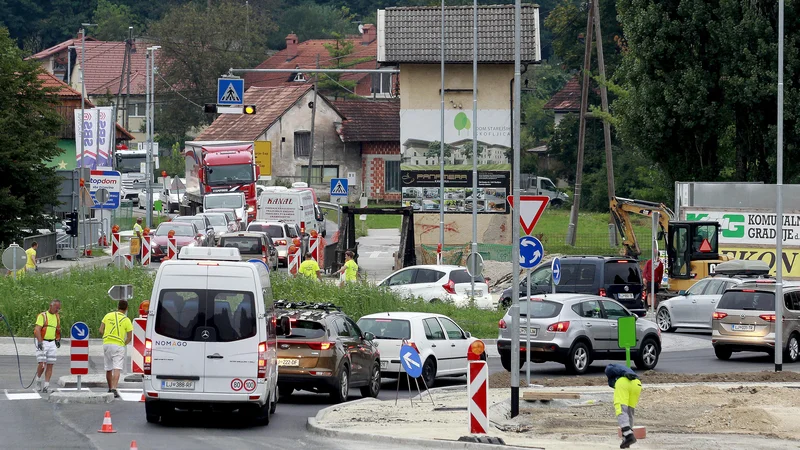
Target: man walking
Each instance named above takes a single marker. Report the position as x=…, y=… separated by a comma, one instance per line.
x=627, y=388
x=47, y=334
x=30, y=265
x=136, y=242
x=117, y=331
x=309, y=268
x=350, y=268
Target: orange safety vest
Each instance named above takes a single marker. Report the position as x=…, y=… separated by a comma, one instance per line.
x=58, y=326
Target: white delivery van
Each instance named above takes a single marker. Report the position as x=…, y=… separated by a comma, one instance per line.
x=211, y=336
x=292, y=206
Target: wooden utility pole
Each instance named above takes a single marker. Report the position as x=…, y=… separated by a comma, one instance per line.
x=313, y=123
x=592, y=24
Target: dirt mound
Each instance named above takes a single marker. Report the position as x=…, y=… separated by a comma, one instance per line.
x=503, y=379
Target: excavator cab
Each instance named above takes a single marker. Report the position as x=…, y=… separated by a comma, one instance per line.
x=688, y=242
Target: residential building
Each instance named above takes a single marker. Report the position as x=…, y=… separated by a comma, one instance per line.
x=566, y=101
x=306, y=54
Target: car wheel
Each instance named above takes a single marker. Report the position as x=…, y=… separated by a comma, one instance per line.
x=152, y=410
x=429, y=372
x=664, y=321
x=723, y=353
x=342, y=389
x=374, y=386
x=285, y=392
x=648, y=355
x=261, y=415
x=792, y=349
x=579, y=360
x=505, y=360
x=556, y=204
x=275, y=399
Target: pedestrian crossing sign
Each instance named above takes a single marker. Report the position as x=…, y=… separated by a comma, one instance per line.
x=339, y=187
x=230, y=91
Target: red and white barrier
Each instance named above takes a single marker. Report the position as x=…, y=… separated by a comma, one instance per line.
x=129, y=260
x=79, y=357
x=114, y=245
x=293, y=262
x=478, y=399
x=172, y=248
x=137, y=357
x=313, y=248
x=146, y=247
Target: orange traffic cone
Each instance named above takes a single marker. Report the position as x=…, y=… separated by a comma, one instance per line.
x=134, y=446
x=107, y=427
x=140, y=401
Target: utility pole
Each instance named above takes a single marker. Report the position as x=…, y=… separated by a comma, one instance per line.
x=604, y=100
x=125, y=62
x=151, y=131
x=441, y=155
x=779, y=205
x=128, y=90
x=147, y=136
x=474, y=143
x=313, y=122
x=517, y=148
x=81, y=206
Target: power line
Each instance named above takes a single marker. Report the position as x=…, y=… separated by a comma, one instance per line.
x=172, y=88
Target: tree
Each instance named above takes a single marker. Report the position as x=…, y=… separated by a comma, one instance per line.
x=199, y=44
x=113, y=21
x=310, y=20
x=30, y=127
x=434, y=150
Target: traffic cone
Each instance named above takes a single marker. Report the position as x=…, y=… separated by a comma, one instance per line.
x=107, y=427
x=142, y=400
x=134, y=446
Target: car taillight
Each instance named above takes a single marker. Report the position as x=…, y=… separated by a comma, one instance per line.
x=413, y=345
x=748, y=290
x=320, y=345
x=450, y=287
x=280, y=242
x=148, y=356
x=264, y=249
x=718, y=315
x=502, y=324
x=262, y=360
x=558, y=327
x=768, y=317
x=602, y=292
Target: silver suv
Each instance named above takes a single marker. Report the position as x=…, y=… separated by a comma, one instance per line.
x=745, y=320
x=576, y=329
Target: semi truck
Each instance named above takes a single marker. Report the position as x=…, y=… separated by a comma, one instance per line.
x=214, y=167
x=129, y=164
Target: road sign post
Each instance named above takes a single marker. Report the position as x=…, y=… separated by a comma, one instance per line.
x=14, y=259
x=531, y=252
x=230, y=91
x=411, y=363
x=531, y=208
x=339, y=190
x=478, y=398
x=79, y=351
x=626, y=335
x=555, y=273
x=528, y=329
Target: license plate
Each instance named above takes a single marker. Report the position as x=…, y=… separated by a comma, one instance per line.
x=533, y=331
x=743, y=327
x=473, y=293
x=286, y=362
x=626, y=296
x=384, y=364
x=177, y=384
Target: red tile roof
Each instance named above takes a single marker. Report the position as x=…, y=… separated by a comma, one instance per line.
x=307, y=58
x=58, y=48
x=104, y=61
x=271, y=103
x=567, y=99
x=369, y=120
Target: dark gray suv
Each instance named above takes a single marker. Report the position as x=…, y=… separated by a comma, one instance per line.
x=613, y=277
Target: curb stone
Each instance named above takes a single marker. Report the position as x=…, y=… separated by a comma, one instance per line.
x=90, y=398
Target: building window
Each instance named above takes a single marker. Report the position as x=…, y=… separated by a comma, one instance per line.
x=136, y=110
x=381, y=83
x=319, y=174
x=391, y=176
x=302, y=143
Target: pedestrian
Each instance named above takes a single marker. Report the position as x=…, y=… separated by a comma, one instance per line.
x=658, y=273
x=309, y=268
x=117, y=331
x=136, y=242
x=350, y=269
x=47, y=334
x=627, y=388
x=30, y=265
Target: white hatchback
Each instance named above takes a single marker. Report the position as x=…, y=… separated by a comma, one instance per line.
x=441, y=343
x=434, y=283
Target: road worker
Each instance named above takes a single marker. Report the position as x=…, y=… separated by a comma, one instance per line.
x=309, y=268
x=627, y=388
x=349, y=271
x=47, y=335
x=117, y=331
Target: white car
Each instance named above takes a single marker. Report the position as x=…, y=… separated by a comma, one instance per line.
x=435, y=283
x=219, y=222
x=142, y=197
x=281, y=234
x=441, y=343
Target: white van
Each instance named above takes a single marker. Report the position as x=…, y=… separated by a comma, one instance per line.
x=293, y=206
x=211, y=336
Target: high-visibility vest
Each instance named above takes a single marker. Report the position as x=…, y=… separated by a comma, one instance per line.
x=58, y=326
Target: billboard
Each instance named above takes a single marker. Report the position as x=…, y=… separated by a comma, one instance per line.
x=420, y=190
x=746, y=228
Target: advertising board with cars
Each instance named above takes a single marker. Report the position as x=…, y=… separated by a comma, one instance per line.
x=420, y=190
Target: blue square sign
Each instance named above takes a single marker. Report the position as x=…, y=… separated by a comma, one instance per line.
x=339, y=187
x=230, y=91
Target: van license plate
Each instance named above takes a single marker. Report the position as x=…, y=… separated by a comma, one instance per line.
x=626, y=296
x=384, y=364
x=287, y=362
x=743, y=327
x=177, y=384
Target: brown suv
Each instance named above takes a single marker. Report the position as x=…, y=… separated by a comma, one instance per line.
x=252, y=246
x=326, y=352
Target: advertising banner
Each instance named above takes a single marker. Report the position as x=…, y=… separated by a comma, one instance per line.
x=86, y=129
x=420, y=190
x=749, y=228
x=105, y=123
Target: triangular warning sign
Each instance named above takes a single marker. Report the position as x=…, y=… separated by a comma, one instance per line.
x=705, y=247
x=339, y=189
x=531, y=208
x=230, y=95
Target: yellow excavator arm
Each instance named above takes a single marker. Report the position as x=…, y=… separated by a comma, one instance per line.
x=621, y=208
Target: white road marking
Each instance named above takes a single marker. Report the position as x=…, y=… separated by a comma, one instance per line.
x=22, y=396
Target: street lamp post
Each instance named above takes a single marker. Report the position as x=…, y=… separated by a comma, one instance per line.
x=151, y=92
x=779, y=206
x=83, y=120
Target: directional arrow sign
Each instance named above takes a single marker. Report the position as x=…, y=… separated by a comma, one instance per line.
x=79, y=331
x=531, y=208
x=410, y=360
x=555, y=269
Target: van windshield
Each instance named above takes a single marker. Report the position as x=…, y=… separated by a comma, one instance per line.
x=233, y=201
x=186, y=314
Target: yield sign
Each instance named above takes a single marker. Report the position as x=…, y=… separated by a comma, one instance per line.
x=531, y=208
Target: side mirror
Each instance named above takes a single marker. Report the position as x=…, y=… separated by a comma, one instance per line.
x=467, y=334
x=682, y=292
x=284, y=327
x=369, y=336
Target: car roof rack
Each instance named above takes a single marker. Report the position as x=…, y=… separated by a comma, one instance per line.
x=742, y=269
x=284, y=304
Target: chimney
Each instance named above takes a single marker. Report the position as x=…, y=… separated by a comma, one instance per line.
x=369, y=34
x=79, y=35
x=291, y=46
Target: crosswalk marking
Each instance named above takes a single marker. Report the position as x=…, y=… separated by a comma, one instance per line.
x=127, y=395
x=22, y=396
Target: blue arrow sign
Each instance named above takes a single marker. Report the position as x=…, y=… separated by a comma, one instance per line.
x=230, y=91
x=531, y=252
x=555, y=269
x=410, y=360
x=79, y=331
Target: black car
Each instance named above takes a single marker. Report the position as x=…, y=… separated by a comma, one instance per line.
x=612, y=277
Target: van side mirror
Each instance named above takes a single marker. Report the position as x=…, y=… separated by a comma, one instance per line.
x=284, y=327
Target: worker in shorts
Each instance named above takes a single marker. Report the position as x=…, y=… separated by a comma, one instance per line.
x=627, y=388
x=117, y=331
x=47, y=338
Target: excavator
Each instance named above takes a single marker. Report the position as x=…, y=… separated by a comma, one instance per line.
x=692, y=247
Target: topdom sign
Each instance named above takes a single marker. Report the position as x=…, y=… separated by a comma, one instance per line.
x=749, y=228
